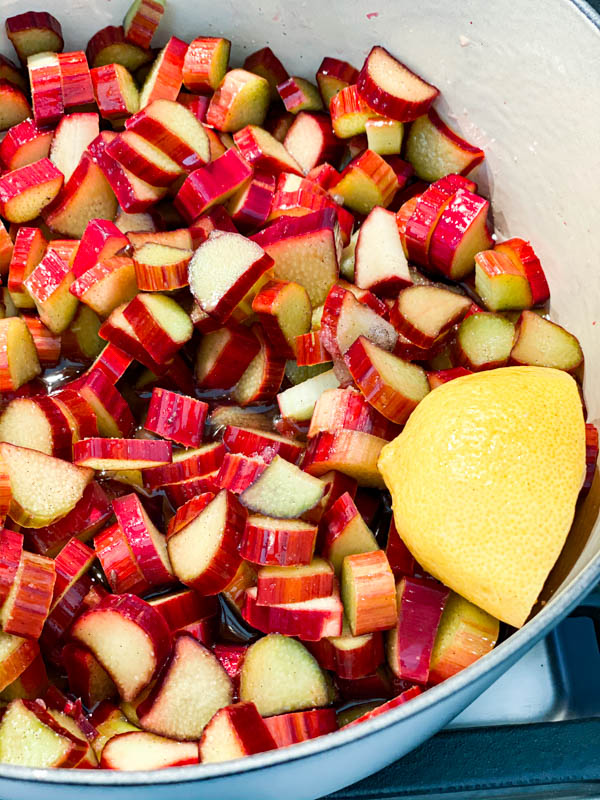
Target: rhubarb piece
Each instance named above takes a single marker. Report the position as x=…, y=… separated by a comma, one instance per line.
x=296, y=680
x=26, y=191
x=186, y=464
x=113, y=416
x=246, y=262
x=380, y=264
x=367, y=181
x=204, y=553
x=392, y=386
x=501, y=285
x=212, y=184
x=298, y=402
x=87, y=194
x=160, y=323
x=118, y=562
x=165, y=77
x=34, y=32
x=47, y=344
x=108, y=721
x=173, y=129
x=400, y=558
x=299, y=95
x=334, y=75
x=435, y=150
x=349, y=113
x=354, y=453
x=11, y=73
x=113, y=362
x=280, y=585
x=37, y=423
x=117, y=454
x=27, y=604
x=11, y=549
x=525, y=260
x=205, y=63
x=298, y=197
x=139, y=750
x=180, y=239
x=485, y=341
x=76, y=81
x=305, y=250
x=49, y=285
x=17, y=655
x=542, y=343
x=346, y=532
x=278, y=542
x=128, y=637
x=283, y=491
x=49, y=744
x=146, y=542
x=424, y=313
x=460, y=233
x=46, y=88
x=391, y=89
x=407, y=695
x=284, y=310
x=311, y=141
x=310, y=621
x=133, y=194
x=143, y=159
x=410, y=645
x=87, y=678
x=141, y=21
x=176, y=417
x=58, y=485
x=19, y=362
x=108, y=46
x=192, y=688
x=368, y=592
x=31, y=683
x=350, y=657
x=265, y=63
x=465, y=634
x=310, y=349
x=234, y=732
x=81, y=342
x=101, y=240
x=591, y=456
x=444, y=375
x=242, y=98
x=347, y=409
x=238, y=472
x=262, y=150
x=106, y=285
x=250, y=205
x=384, y=136
x=24, y=144
x=184, y=607
x=14, y=108
x=118, y=331
x=115, y=91
x=345, y=318
x=300, y=726
x=88, y=515
x=253, y=442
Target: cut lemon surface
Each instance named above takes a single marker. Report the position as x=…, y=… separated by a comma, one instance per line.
x=484, y=479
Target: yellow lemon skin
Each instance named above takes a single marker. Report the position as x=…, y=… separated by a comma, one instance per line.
x=484, y=479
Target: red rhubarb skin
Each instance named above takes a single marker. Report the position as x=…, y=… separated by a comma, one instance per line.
x=270, y=380
x=107, y=91
x=30, y=606
x=290, y=588
x=420, y=607
x=61, y=617
x=317, y=126
x=310, y=349
x=184, y=607
x=255, y=207
x=98, y=449
x=113, y=362
x=232, y=360
x=239, y=471
x=476, y=152
x=250, y=442
x=264, y=62
x=300, y=726
x=232, y=658
x=133, y=522
x=347, y=409
x=75, y=78
x=99, y=386
x=350, y=664
x=11, y=547
x=46, y=94
x=399, y=556
x=179, y=493
x=155, y=338
x=176, y=417
x=123, y=149
x=13, y=184
x=109, y=36
x=250, y=148
x=444, y=375
x=47, y=344
x=195, y=466
x=15, y=664
x=29, y=249
x=591, y=455
x=144, y=24
x=248, y=727
x=407, y=695
x=77, y=747
x=169, y=75
x=101, y=240
x=309, y=625
x=212, y=184
x=163, y=278
x=80, y=663
x=277, y=546
x=84, y=418
x=374, y=590
x=464, y=208
x=118, y=563
x=523, y=253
